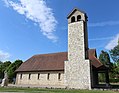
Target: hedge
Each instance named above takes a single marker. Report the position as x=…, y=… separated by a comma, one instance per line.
x=112, y=80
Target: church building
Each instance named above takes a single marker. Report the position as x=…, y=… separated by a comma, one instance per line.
x=78, y=68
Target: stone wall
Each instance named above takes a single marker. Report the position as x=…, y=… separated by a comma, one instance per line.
x=77, y=68
x=43, y=78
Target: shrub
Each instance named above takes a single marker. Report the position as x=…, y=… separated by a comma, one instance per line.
x=112, y=80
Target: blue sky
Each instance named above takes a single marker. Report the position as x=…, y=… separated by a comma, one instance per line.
x=29, y=27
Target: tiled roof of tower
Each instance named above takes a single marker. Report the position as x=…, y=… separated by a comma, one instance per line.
x=53, y=62
x=75, y=9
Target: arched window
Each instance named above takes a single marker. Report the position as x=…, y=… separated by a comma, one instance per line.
x=73, y=19
x=21, y=76
x=59, y=76
x=78, y=17
x=48, y=76
x=38, y=75
x=29, y=76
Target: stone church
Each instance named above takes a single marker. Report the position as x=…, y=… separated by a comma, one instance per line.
x=78, y=68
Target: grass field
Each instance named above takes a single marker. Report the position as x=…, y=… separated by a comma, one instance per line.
x=36, y=90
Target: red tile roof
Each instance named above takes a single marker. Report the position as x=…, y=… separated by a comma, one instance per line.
x=43, y=62
x=53, y=62
x=92, y=56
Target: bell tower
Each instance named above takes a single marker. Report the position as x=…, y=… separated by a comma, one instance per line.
x=77, y=68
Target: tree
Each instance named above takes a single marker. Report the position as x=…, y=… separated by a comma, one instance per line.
x=3, y=67
x=1, y=70
x=12, y=67
x=6, y=65
x=0, y=62
x=115, y=53
x=115, y=56
x=104, y=58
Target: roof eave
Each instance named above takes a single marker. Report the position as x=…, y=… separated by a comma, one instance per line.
x=40, y=70
x=75, y=9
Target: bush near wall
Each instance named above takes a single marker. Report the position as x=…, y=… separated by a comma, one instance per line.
x=114, y=80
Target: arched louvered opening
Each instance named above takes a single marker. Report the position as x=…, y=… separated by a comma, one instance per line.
x=78, y=17
x=73, y=19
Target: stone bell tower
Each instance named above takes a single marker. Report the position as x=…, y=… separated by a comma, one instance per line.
x=77, y=68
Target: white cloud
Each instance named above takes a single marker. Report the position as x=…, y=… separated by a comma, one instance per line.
x=106, y=23
x=6, y=2
x=99, y=39
x=38, y=12
x=4, y=56
x=112, y=43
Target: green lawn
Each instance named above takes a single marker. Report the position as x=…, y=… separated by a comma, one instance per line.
x=36, y=90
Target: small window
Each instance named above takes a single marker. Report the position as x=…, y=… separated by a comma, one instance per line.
x=21, y=76
x=78, y=17
x=59, y=76
x=73, y=19
x=29, y=76
x=38, y=75
x=48, y=77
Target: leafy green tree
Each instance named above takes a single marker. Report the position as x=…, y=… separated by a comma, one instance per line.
x=115, y=53
x=115, y=71
x=0, y=62
x=1, y=70
x=3, y=67
x=6, y=65
x=12, y=67
x=104, y=58
x=115, y=56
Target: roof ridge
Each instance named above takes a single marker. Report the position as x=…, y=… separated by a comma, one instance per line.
x=49, y=53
